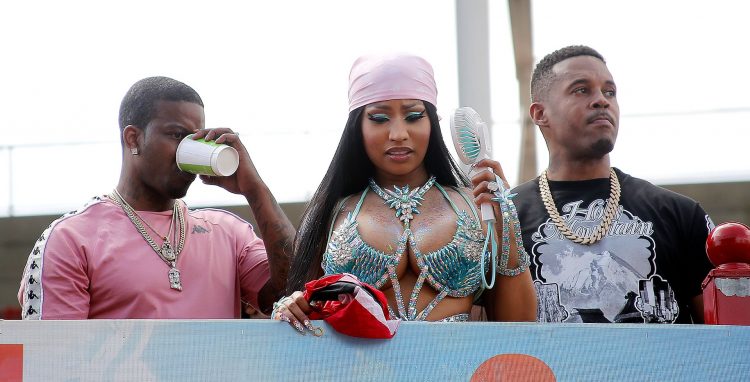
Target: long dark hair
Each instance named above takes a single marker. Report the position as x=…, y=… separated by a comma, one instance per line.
x=348, y=173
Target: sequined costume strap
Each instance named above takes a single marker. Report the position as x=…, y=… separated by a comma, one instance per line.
x=461, y=317
x=469, y=202
x=426, y=311
x=463, y=195
x=359, y=203
x=337, y=210
x=445, y=194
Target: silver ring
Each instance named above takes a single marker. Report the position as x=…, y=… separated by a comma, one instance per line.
x=493, y=186
x=278, y=305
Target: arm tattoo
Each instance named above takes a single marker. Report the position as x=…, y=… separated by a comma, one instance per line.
x=278, y=236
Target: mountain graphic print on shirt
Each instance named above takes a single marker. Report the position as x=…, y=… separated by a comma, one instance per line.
x=595, y=283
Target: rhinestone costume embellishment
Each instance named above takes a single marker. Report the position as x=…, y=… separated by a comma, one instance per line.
x=405, y=202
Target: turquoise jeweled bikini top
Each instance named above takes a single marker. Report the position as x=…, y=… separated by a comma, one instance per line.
x=453, y=270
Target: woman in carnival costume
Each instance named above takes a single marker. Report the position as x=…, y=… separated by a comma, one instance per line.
x=396, y=211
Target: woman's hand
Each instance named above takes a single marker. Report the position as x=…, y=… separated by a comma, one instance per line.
x=294, y=309
x=485, y=182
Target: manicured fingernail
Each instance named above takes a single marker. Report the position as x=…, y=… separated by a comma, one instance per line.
x=308, y=325
x=299, y=327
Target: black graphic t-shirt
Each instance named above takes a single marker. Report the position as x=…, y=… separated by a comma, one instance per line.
x=647, y=268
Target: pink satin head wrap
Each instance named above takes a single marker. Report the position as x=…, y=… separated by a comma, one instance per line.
x=398, y=76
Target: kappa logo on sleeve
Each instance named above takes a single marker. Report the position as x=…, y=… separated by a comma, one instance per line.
x=199, y=229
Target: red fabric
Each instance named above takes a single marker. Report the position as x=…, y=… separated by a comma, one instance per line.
x=360, y=314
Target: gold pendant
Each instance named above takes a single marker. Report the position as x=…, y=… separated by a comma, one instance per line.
x=167, y=252
x=174, y=278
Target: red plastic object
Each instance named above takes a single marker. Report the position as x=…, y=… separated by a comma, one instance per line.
x=726, y=289
x=728, y=243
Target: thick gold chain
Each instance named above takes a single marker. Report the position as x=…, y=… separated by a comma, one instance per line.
x=138, y=223
x=611, y=209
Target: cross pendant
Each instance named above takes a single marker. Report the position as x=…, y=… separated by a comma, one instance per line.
x=174, y=278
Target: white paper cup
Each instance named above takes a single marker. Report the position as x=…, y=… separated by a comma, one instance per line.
x=201, y=157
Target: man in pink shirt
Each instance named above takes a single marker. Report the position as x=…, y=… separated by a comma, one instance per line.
x=139, y=252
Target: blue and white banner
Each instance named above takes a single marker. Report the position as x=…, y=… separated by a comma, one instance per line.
x=261, y=350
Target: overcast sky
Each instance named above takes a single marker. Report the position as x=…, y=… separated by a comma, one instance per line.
x=277, y=72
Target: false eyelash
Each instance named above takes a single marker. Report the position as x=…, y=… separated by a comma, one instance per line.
x=378, y=117
x=415, y=116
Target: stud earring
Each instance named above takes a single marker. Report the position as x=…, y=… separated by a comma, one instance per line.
x=134, y=151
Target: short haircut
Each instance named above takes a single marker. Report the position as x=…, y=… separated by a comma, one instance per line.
x=543, y=77
x=138, y=105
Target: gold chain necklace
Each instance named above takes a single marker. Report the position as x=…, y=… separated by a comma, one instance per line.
x=166, y=252
x=611, y=209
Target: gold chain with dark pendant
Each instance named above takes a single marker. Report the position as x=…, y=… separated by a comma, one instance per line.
x=611, y=209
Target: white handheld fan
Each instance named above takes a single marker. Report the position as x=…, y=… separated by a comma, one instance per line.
x=471, y=138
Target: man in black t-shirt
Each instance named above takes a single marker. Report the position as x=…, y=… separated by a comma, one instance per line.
x=605, y=246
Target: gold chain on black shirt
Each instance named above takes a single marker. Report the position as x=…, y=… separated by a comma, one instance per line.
x=609, y=212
